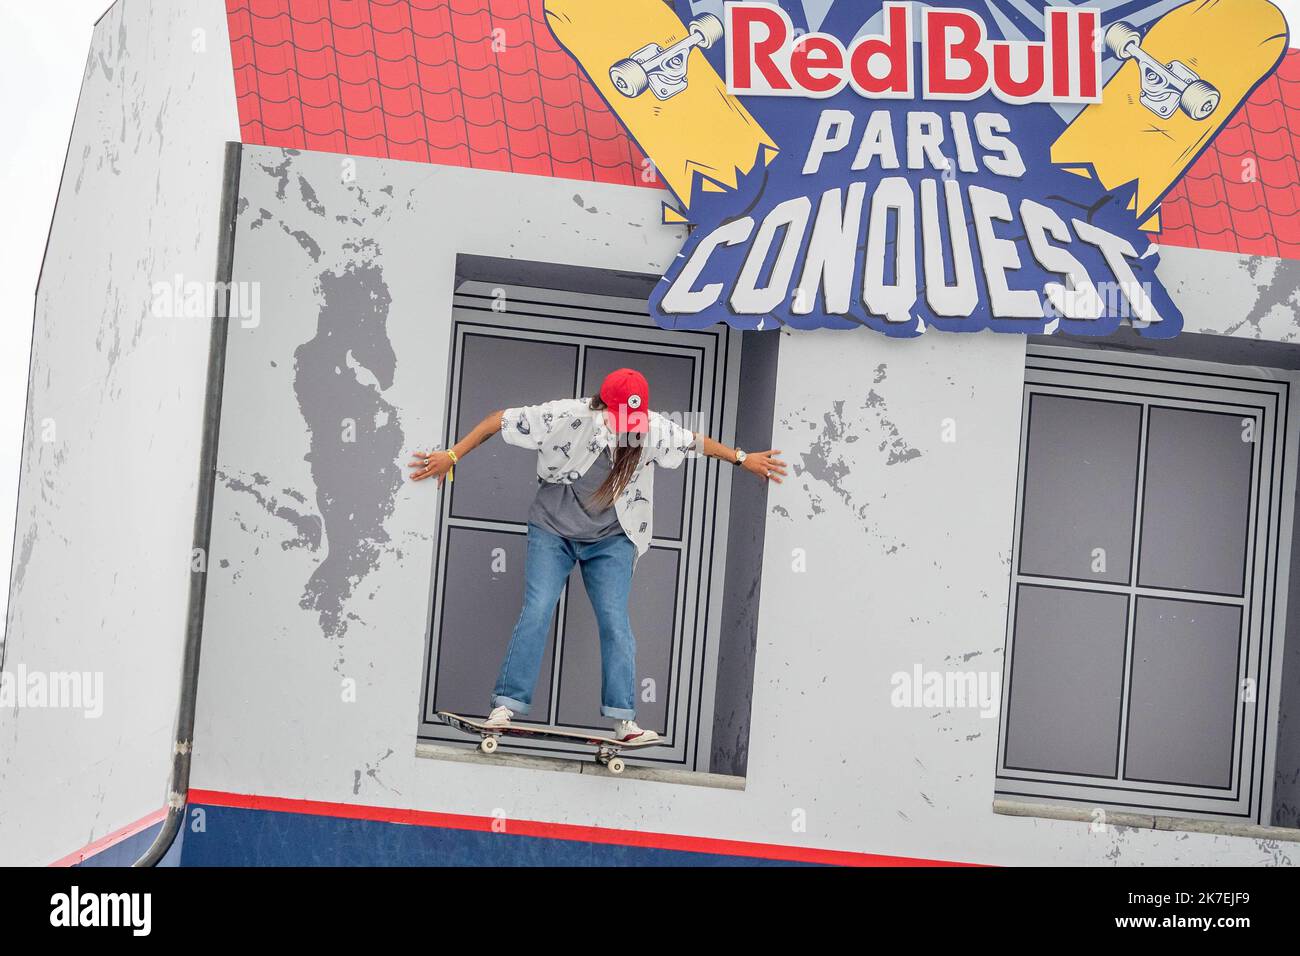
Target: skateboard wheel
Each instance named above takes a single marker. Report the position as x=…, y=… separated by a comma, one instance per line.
x=630, y=77
x=616, y=765
x=1199, y=100
x=707, y=28
x=489, y=745
x=1122, y=38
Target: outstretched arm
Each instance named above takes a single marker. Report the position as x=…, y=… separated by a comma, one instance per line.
x=765, y=464
x=436, y=464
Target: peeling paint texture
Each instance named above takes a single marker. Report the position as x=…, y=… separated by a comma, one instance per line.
x=308, y=527
x=337, y=375
x=832, y=456
x=355, y=434
x=1230, y=294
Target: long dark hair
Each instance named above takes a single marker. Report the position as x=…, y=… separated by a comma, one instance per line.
x=626, y=458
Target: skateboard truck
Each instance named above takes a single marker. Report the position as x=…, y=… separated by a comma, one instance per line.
x=607, y=748
x=663, y=71
x=608, y=758
x=1165, y=87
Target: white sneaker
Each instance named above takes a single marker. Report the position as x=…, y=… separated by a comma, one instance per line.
x=500, y=717
x=628, y=732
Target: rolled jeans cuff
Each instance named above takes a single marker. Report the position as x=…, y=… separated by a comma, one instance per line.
x=518, y=706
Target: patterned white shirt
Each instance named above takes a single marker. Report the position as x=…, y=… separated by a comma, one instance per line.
x=568, y=434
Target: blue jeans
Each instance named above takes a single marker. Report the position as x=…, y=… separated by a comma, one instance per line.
x=607, y=574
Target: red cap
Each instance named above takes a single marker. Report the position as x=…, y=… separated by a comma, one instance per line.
x=626, y=395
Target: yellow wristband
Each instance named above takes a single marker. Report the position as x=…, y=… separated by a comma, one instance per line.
x=451, y=472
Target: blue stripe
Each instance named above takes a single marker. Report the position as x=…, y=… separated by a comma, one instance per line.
x=798, y=16
x=238, y=837
x=1138, y=10
x=133, y=847
x=1029, y=29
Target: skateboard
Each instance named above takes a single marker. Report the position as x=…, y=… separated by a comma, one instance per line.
x=607, y=748
x=1165, y=86
x=1178, y=85
x=661, y=70
x=699, y=136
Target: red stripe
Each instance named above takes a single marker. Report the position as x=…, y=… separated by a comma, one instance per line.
x=557, y=831
x=117, y=836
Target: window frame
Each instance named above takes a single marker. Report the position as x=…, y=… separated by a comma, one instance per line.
x=624, y=324
x=1264, y=394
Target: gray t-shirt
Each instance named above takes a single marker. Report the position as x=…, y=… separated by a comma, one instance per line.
x=562, y=509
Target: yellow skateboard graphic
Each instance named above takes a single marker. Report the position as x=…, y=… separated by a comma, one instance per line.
x=651, y=70
x=1179, y=85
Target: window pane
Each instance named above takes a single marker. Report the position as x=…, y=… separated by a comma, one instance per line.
x=670, y=379
x=1196, y=502
x=1067, y=678
x=653, y=613
x=480, y=605
x=1183, y=697
x=1080, y=488
x=499, y=481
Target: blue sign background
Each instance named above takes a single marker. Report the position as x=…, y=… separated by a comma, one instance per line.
x=791, y=121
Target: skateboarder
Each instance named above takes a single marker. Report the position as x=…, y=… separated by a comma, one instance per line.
x=593, y=508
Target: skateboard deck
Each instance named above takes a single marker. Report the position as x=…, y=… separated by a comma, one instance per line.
x=1179, y=85
x=607, y=748
x=650, y=69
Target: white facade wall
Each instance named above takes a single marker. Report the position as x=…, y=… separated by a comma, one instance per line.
x=906, y=537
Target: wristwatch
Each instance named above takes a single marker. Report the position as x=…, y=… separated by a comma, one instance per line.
x=740, y=458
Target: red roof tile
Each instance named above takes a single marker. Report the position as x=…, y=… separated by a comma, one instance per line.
x=483, y=83
x=1243, y=193
x=478, y=83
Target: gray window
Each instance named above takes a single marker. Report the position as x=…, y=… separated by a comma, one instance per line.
x=514, y=345
x=1148, y=587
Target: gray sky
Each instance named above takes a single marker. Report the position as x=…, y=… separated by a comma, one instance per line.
x=43, y=50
